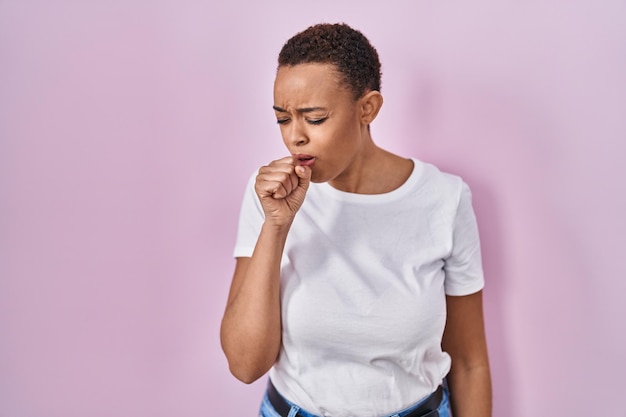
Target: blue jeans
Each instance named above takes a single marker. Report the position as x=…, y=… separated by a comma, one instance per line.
x=268, y=411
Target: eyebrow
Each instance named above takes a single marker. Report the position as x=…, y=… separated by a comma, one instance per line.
x=302, y=110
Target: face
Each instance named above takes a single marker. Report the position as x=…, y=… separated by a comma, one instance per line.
x=319, y=119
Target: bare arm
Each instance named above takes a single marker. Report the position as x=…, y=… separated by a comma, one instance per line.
x=464, y=339
x=251, y=327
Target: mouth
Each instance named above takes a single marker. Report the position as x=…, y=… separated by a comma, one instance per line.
x=304, y=160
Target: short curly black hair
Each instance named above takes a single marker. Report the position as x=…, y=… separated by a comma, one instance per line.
x=338, y=44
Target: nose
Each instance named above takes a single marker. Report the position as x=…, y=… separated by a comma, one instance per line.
x=295, y=134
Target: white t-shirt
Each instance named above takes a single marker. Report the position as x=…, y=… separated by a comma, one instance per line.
x=363, y=285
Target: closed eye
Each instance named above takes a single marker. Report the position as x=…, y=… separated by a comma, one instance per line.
x=317, y=121
x=282, y=121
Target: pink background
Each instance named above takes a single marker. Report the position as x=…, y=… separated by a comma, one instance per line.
x=128, y=130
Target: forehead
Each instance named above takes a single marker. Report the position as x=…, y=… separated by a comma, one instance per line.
x=308, y=84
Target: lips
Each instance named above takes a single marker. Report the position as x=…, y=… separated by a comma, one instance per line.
x=305, y=160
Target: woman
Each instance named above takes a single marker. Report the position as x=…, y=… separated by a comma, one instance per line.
x=352, y=261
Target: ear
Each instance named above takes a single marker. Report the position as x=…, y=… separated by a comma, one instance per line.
x=370, y=104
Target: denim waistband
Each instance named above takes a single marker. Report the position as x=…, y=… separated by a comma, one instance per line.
x=275, y=405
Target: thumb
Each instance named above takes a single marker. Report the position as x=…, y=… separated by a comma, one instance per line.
x=304, y=176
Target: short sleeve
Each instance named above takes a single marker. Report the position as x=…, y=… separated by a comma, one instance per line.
x=251, y=219
x=463, y=267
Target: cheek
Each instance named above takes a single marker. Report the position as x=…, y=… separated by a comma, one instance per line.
x=347, y=136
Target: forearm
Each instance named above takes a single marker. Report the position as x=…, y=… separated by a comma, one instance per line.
x=251, y=327
x=470, y=391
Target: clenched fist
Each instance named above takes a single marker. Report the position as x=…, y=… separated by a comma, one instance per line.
x=281, y=187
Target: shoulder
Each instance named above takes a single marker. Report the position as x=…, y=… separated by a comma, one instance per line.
x=441, y=183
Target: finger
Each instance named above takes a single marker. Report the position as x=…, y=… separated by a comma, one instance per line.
x=280, y=192
x=304, y=176
x=294, y=179
x=289, y=160
x=277, y=166
x=283, y=173
x=289, y=184
x=266, y=188
x=272, y=180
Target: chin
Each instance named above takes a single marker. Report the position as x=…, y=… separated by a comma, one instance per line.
x=315, y=177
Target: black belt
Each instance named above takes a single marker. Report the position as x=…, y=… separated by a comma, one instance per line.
x=427, y=409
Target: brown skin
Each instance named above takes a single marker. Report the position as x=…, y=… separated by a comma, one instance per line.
x=318, y=116
x=464, y=340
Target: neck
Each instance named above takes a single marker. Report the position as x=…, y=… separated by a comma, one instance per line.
x=374, y=171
